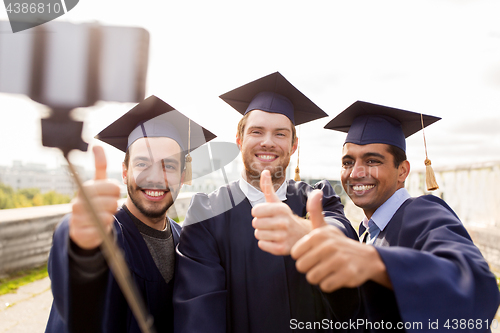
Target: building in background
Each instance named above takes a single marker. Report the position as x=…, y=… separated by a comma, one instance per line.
x=37, y=175
x=470, y=190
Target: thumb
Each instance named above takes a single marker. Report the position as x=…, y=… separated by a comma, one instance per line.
x=315, y=209
x=100, y=163
x=266, y=186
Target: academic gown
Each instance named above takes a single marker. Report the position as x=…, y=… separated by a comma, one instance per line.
x=226, y=283
x=437, y=273
x=117, y=316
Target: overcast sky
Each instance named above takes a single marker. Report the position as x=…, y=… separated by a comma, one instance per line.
x=439, y=57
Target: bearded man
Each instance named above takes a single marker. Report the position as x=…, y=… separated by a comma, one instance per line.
x=235, y=273
x=87, y=298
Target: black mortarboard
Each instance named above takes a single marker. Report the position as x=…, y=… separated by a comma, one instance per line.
x=155, y=118
x=273, y=93
x=367, y=123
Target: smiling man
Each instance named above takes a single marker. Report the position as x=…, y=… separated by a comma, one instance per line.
x=235, y=273
x=416, y=265
x=155, y=139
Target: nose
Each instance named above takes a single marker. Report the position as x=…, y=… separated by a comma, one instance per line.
x=358, y=171
x=154, y=175
x=267, y=141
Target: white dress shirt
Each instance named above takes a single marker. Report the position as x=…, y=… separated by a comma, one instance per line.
x=256, y=196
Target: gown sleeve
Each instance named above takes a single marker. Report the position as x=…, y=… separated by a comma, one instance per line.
x=57, y=267
x=437, y=273
x=200, y=282
x=76, y=279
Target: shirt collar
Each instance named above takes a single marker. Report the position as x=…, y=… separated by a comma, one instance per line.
x=386, y=211
x=255, y=196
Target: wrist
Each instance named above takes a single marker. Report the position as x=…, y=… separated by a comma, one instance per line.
x=81, y=251
x=305, y=225
x=378, y=270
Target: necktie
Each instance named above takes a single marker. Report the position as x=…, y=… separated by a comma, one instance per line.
x=373, y=232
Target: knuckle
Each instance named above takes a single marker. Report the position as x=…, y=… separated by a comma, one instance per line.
x=255, y=222
x=281, y=249
x=256, y=233
x=326, y=286
x=311, y=278
x=300, y=266
x=351, y=283
x=282, y=223
x=283, y=208
x=279, y=237
x=254, y=211
x=330, y=246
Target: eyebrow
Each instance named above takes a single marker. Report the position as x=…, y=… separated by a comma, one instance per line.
x=170, y=160
x=366, y=155
x=141, y=158
x=274, y=129
x=147, y=159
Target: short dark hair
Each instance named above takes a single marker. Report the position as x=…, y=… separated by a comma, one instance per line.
x=398, y=154
x=183, y=159
x=127, y=158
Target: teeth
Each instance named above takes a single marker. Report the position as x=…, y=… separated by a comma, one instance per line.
x=362, y=187
x=154, y=193
x=266, y=157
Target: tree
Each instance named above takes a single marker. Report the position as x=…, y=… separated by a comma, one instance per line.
x=6, y=197
x=29, y=197
x=54, y=198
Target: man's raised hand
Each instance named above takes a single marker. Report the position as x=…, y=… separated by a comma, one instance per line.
x=276, y=227
x=332, y=260
x=104, y=195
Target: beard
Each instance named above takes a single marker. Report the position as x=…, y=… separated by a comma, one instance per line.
x=153, y=212
x=253, y=169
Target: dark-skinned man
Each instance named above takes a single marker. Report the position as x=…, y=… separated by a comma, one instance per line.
x=416, y=267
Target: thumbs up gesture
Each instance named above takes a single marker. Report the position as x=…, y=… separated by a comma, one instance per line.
x=332, y=260
x=104, y=194
x=266, y=186
x=276, y=227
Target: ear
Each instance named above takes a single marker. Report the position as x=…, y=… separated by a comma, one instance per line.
x=295, y=145
x=403, y=171
x=124, y=173
x=238, y=141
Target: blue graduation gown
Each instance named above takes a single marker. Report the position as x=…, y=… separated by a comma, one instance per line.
x=117, y=316
x=226, y=283
x=437, y=273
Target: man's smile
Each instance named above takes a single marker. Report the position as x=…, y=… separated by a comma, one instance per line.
x=155, y=195
x=360, y=189
x=266, y=157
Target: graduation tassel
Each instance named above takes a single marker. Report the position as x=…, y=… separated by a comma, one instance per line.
x=297, y=174
x=297, y=170
x=189, y=169
x=430, y=178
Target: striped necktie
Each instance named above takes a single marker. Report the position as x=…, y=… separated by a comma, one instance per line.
x=371, y=233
